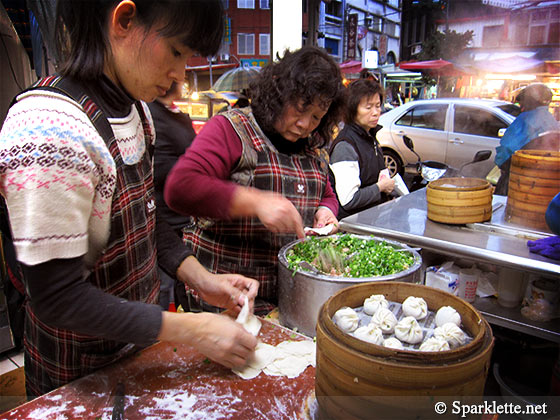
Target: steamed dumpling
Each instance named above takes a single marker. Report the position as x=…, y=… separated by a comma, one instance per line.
x=373, y=303
x=347, y=319
x=384, y=319
x=452, y=334
x=393, y=343
x=369, y=333
x=415, y=307
x=434, y=344
x=408, y=330
x=447, y=314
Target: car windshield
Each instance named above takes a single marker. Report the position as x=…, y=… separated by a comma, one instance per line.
x=511, y=109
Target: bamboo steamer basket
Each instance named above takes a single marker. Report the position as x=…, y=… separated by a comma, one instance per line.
x=533, y=182
x=359, y=380
x=459, y=200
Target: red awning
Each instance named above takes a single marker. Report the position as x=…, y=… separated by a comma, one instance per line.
x=435, y=67
x=351, y=66
x=425, y=65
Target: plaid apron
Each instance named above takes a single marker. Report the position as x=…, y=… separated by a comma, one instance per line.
x=245, y=245
x=127, y=269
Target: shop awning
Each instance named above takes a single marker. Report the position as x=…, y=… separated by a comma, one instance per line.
x=436, y=67
x=351, y=66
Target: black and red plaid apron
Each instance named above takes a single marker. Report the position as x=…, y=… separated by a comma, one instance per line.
x=245, y=245
x=127, y=269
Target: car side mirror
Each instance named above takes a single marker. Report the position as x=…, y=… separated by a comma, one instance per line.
x=501, y=132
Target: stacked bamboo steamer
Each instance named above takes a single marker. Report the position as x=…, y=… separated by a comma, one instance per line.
x=534, y=180
x=459, y=200
x=359, y=380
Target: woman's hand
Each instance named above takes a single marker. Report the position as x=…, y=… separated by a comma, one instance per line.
x=386, y=184
x=222, y=290
x=218, y=337
x=275, y=212
x=279, y=215
x=323, y=217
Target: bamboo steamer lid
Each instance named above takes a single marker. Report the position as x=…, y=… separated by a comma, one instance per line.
x=459, y=200
x=534, y=181
x=358, y=380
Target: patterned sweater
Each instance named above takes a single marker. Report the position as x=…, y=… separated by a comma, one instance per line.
x=51, y=153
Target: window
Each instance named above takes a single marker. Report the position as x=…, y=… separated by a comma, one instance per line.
x=491, y=35
x=334, y=8
x=264, y=44
x=536, y=34
x=246, y=44
x=245, y=4
x=553, y=32
x=332, y=46
x=264, y=4
x=476, y=121
x=425, y=116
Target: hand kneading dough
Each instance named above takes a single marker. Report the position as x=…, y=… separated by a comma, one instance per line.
x=289, y=358
x=249, y=321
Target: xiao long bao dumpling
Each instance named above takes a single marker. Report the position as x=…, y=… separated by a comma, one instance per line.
x=375, y=302
x=384, y=319
x=370, y=333
x=409, y=331
x=434, y=344
x=347, y=319
x=393, y=343
x=415, y=307
x=451, y=333
x=447, y=314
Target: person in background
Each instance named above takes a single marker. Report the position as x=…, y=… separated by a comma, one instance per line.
x=255, y=173
x=357, y=165
x=533, y=121
x=81, y=203
x=174, y=134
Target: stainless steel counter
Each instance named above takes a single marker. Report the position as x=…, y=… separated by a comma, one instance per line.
x=496, y=242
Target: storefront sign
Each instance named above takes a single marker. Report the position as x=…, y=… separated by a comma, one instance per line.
x=254, y=62
x=352, y=36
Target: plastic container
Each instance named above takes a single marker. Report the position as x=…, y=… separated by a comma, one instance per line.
x=468, y=283
x=511, y=287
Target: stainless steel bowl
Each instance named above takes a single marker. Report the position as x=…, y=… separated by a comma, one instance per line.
x=302, y=294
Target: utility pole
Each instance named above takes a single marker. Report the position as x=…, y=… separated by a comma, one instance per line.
x=312, y=22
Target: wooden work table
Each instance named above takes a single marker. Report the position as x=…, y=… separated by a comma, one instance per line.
x=167, y=381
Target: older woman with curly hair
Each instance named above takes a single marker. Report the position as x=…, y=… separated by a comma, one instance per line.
x=254, y=177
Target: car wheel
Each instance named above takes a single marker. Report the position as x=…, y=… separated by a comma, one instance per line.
x=393, y=162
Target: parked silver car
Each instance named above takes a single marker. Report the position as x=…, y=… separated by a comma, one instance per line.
x=449, y=130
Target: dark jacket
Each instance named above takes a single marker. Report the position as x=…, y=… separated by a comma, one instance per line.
x=370, y=161
x=174, y=134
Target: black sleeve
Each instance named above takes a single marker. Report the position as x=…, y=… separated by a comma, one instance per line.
x=170, y=247
x=62, y=298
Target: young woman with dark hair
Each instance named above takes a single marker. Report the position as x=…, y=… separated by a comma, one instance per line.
x=356, y=159
x=76, y=172
x=257, y=172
